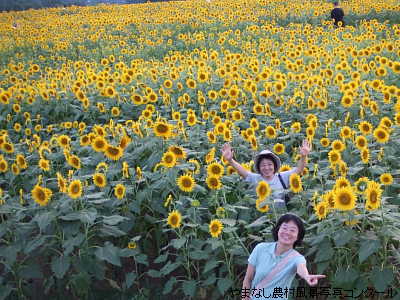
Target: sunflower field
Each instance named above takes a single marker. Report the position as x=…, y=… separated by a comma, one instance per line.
x=112, y=119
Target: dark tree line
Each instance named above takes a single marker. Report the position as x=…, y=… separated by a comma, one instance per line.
x=8, y=5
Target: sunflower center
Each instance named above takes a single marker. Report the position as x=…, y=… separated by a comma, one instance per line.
x=344, y=199
x=187, y=182
x=162, y=128
x=373, y=198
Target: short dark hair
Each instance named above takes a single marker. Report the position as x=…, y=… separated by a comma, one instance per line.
x=271, y=158
x=285, y=219
x=336, y=3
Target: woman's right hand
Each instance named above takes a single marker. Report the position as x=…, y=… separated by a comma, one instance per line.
x=227, y=152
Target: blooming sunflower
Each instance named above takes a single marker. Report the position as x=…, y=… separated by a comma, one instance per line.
x=365, y=155
x=99, y=144
x=341, y=182
x=263, y=189
x=63, y=141
x=361, y=184
x=119, y=191
x=169, y=159
x=334, y=157
x=325, y=142
x=114, y=152
x=284, y=168
x=295, y=183
x=361, y=142
x=215, y=169
x=21, y=161
x=162, y=129
x=321, y=210
x=261, y=206
x=186, y=182
x=381, y=135
x=386, y=178
x=270, y=132
x=338, y=146
x=279, y=148
x=179, y=152
x=75, y=189
x=44, y=164
x=174, y=219
x=373, y=195
x=365, y=127
x=41, y=195
x=62, y=183
x=215, y=228
x=345, y=199
x=329, y=198
x=213, y=182
x=74, y=161
x=99, y=179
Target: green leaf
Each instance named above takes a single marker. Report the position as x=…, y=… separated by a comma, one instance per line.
x=367, y=248
x=260, y=221
x=43, y=220
x=154, y=273
x=198, y=255
x=5, y=291
x=85, y=216
x=60, y=265
x=114, y=231
x=381, y=279
x=169, y=267
x=161, y=258
x=113, y=220
x=169, y=285
x=109, y=253
x=178, y=243
x=211, y=264
x=230, y=222
x=189, y=288
x=69, y=244
x=325, y=252
x=34, y=243
x=224, y=284
x=343, y=237
x=346, y=277
x=129, y=279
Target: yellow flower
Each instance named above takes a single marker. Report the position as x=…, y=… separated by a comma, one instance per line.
x=365, y=127
x=41, y=195
x=284, y=168
x=365, y=155
x=75, y=189
x=44, y=164
x=373, y=195
x=132, y=245
x=261, y=206
x=263, y=189
x=338, y=146
x=325, y=142
x=99, y=144
x=62, y=183
x=213, y=182
x=186, y=182
x=63, y=141
x=174, y=219
x=178, y=151
x=345, y=198
x=215, y=227
x=113, y=152
x=279, y=148
x=270, y=132
x=210, y=156
x=162, y=129
x=295, y=183
x=341, y=182
x=215, y=169
x=74, y=161
x=99, y=180
x=386, y=179
x=381, y=135
x=321, y=210
x=119, y=191
x=334, y=157
x=168, y=159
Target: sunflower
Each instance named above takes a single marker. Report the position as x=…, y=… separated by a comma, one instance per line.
x=279, y=148
x=84, y=140
x=215, y=228
x=346, y=132
x=338, y=146
x=321, y=210
x=169, y=159
x=373, y=195
x=174, y=219
x=15, y=169
x=74, y=161
x=386, y=179
x=210, y=156
x=325, y=142
x=263, y=189
x=75, y=189
x=329, y=198
x=41, y=195
x=381, y=135
x=213, y=182
x=215, y=169
x=270, y=132
x=113, y=152
x=21, y=161
x=345, y=199
x=341, y=182
x=361, y=142
x=8, y=147
x=63, y=141
x=179, y=152
x=295, y=183
x=62, y=183
x=334, y=157
x=119, y=191
x=99, y=179
x=99, y=144
x=186, y=182
x=361, y=184
x=261, y=206
x=347, y=101
x=44, y=164
x=365, y=155
x=365, y=127
x=162, y=129
x=125, y=141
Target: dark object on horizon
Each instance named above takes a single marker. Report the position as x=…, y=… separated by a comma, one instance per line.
x=337, y=14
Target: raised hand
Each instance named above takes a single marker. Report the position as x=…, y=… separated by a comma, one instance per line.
x=312, y=280
x=227, y=152
x=305, y=148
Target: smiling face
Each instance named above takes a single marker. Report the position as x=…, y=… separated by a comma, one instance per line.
x=267, y=168
x=288, y=233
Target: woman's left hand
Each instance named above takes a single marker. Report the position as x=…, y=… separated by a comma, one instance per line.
x=305, y=148
x=313, y=279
